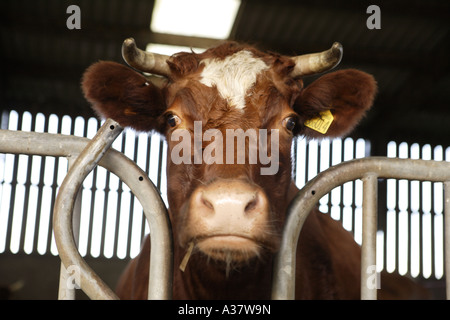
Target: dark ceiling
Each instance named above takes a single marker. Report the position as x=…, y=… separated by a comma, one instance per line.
x=42, y=60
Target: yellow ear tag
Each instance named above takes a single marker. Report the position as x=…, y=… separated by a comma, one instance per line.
x=322, y=123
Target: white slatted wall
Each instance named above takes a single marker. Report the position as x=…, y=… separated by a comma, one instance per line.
x=414, y=220
x=112, y=223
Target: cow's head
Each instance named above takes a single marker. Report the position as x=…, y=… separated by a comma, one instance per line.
x=226, y=197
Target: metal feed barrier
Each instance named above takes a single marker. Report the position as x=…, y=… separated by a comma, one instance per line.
x=84, y=154
x=369, y=170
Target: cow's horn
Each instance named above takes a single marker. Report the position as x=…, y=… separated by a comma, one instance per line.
x=313, y=63
x=144, y=61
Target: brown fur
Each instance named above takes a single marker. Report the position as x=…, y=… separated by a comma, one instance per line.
x=325, y=271
x=347, y=93
x=124, y=95
x=328, y=258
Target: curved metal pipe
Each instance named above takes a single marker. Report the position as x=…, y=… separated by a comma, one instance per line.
x=161, y=263
x=90, y=282
x=283, y=286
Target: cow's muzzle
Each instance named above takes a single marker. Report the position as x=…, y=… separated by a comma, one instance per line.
x=229, y=219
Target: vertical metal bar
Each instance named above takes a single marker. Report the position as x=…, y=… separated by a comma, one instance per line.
x=397, y=228
x=447, y=236
x=40, y=186
x=54, y=184
x=368, y=251
x=118, y=213
x=91, y=228
x=66, y=286
x=13, y=182
x=432, y=231
x=12, y=201
x=160, y=164
x=421, y=215
x=130, y=224
x=106, y=191
x=26, y=200
x=132, y=154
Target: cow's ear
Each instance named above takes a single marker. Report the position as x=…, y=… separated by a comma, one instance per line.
x=334, y=104
x=118, y=92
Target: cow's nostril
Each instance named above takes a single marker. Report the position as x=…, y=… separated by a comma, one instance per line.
x=251, y=204
x=206, y=203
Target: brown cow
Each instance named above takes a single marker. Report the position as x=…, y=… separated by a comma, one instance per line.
x=230, y=212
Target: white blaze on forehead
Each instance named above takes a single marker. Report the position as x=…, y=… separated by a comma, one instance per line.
x=233, y=76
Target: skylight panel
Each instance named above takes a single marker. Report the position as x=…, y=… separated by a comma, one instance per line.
x=199, y=18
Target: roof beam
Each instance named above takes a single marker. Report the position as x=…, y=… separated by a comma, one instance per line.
x=185, y=41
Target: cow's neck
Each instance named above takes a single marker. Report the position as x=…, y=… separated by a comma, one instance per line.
x=292, y=192
x=204, y=278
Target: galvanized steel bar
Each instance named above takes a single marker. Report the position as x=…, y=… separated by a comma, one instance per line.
x=67, y=286
x=283, y=286
x=91, y=283
x=447, y=236
x=368, y=247
x=46, y=144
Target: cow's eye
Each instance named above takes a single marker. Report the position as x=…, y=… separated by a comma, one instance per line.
x=289, y=123
x=172, y=120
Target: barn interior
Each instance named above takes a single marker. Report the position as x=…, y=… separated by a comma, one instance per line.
x=42, y=61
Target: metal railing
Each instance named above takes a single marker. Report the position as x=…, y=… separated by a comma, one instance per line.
x=85, y=154
x=369, y=170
